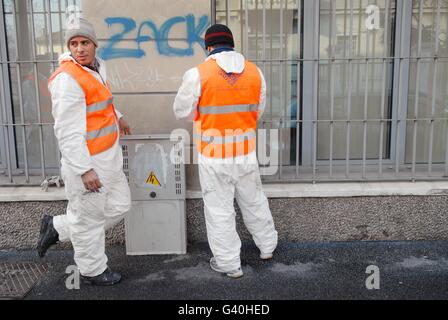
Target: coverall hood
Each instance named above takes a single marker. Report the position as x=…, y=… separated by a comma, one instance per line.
x=230, y=61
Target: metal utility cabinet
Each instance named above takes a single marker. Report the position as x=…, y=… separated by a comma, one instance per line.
x=156, y=224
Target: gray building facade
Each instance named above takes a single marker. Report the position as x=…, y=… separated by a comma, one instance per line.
x=353, y=142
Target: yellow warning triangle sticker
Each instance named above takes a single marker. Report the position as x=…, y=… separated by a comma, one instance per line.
x=152, y=179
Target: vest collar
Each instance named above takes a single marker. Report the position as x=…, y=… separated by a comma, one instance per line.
x=94, y=67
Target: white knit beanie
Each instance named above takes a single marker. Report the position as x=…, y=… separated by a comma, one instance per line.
x=80, y=27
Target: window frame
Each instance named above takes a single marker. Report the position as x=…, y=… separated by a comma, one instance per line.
x=307, y=95
x=7, y=136
x=308, y=99
x=401, y=49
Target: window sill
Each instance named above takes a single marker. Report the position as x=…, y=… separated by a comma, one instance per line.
x=295, y=190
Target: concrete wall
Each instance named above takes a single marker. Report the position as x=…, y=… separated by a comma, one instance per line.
x=296, y=219
x=148, y=45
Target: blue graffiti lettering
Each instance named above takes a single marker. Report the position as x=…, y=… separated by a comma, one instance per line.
x=141, y=38
x=194, y=33
x=109, y=51
x=163, y=46
x=148, y=31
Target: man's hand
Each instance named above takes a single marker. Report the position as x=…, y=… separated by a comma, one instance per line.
x=124, y=127
x=91, y=181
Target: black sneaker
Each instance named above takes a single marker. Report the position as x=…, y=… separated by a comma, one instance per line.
x=48, y=236
x=107, y=278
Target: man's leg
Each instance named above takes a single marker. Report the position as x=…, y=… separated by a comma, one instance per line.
x=218, y=195
x=255, y=209
x=118, y=200
x=54, y=229
x=61, y=223
x=84, y=226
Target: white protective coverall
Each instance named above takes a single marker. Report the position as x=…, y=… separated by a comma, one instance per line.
x=222, y=180
x=88, y=214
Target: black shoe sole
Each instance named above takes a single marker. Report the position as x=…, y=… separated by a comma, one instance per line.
x=99, y=284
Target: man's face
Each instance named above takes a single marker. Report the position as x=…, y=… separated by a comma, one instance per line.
x=83, y=50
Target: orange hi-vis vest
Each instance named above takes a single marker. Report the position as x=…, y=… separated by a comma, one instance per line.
x=102, y=131
x=227, y=112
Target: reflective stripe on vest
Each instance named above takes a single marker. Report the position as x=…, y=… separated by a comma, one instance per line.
x=227, y=112
x=99, y=106
x=102, y=131
x=225, y=139
x=228, y=109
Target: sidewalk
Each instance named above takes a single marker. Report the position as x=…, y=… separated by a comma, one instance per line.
x=408, y=270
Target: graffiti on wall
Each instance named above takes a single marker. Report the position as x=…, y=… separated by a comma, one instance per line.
x=149, y=31
x=148, y=45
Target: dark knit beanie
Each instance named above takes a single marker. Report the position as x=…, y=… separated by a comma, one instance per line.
x=218, y=34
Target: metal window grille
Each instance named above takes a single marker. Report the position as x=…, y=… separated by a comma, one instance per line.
x=353, y=97
x=31, y=36
x=349, y=104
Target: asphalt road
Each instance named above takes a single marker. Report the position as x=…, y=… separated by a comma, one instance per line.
x=309, y=271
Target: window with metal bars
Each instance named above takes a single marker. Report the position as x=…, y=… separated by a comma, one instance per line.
x=32, y=40
x=349, y=102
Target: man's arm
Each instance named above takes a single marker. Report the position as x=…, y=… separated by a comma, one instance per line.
x=125, y=129
x=262, y=105
x=188, y=95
